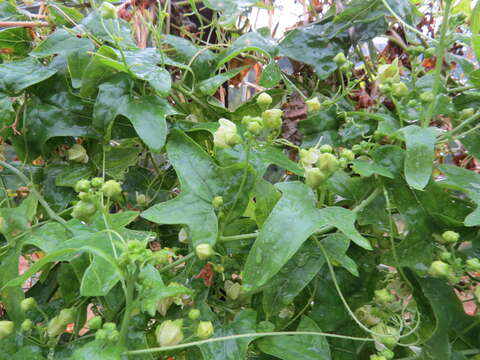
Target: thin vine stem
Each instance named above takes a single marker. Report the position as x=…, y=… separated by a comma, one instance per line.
x=53, y=215
x=242, y=336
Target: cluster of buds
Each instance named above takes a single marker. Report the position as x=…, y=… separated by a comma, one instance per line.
x=136, y=252
x=267, y=123
x=108, y=332
x=58, y=324
x=320, y=163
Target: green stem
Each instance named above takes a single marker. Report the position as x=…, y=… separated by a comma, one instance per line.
x=461, y=125
x=441, y=47
x=128, y=307
x=365, y=114
x=176, y=262
x=241, y=336
x=238, y=237
x=35, y=193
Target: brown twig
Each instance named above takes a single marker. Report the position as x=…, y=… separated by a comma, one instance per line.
x=27, y=24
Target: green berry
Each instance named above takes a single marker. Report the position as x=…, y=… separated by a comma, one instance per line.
x=439, y=269
x=347, y=154
x=83, y=210
x=328, y=163
x=204, y=251
x=111, y=189
x=399, y=89
x=95, y=323
x=97, y=182
x=473, y=264
x=445, y=255
x=340, y=59
x=82, y=186
x=110, y=326
x=314, y=177
x=205, y=329
x=427, y=97
x=194, y=314
x=217, y=202
x=6, y=328
x=26, y=325
x=383, y=296
x=255, y=128
x=325, y=148
x=272, y=119
x=28, y=304
x=450, y=236
x=264, y=100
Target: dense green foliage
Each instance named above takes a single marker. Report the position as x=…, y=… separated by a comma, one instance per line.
x=150, y=209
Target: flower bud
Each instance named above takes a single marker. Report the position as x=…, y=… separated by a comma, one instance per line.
x=169, y=333
x=205, y=329
x=325, y=148
x=141, y=199
x=67, y=316
x=6, y=328
x=55, y=327
x=383, y=296
x=272, y=119
x=183, y=235
x=97, y=182
x=399, y=89
x=204, y=251
x=160, y=257
x=445, y=255
x=430, y=52
x=26, y=325
x=387, y=354
x=377, y=357
x=439, y=269
x=111, y=189
x=83, y=210
x=164, y=304
x=264, y=100
x=194, y=314
x=390, y=337
x=85, y=196
x=309, y=157
x=412, y=103
x=347, y=154
x=313, y=105
x=427, y=97
x=314, y=177
x=328, y=163
x=110, y=326
x=388, y=73
x=95, y=323
x=108, y=11
x=255, y=128
x=27, y=304
x=473, y=264
x=226, y=135
x=340, y=59
x=450, y=236
x=217, y=202
x=82, y=186
x=232, y=289
x=77, y=153
x=466, y=113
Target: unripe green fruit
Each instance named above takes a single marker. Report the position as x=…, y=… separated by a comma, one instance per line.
x=67, y=316
x=466, y=113
x=97, y=182
x=399, y=89
x=347, y=154
x=169, y=333
x=473, y=264
x=384, y=296
x=439, y=269
x=205, y=329
x=377, y=357
x=340, y=59
x=26, y=325
x=232, y=289
x=77, y=153
x=6, y=328
x=255, y=128
x=108, y=11
x=113, y=336
x=450, y=236
x=28, y=304
x=327, y=163
x=110, y=326
x=264, y=100
x=445, y=255
x=82, y=186
x=111, y=189
x=388, y=354
x=325, y=148
x=55, y=327
x=272, y=119
x=412, y=103
x=84, y=196
x=427, y=97
x=204, y=251
x=430, y=52
x=217, y=202
x=160, y=257
x=83, y=210
x=314, y=177
x=101, y=334
x=389, y=339
x=345, y=68
x=95, y=323
x=194, y=314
